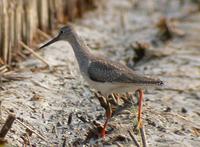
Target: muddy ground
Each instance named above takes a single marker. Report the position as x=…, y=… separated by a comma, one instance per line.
x=46, y=97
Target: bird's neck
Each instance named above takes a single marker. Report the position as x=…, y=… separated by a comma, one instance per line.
x=81, y=51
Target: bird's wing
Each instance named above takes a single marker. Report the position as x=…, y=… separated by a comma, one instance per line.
x=109, y=71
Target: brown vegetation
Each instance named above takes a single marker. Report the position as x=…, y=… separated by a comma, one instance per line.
x=30, y=21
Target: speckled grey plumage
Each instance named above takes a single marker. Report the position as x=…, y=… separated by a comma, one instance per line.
x=99, y=70
x=102, y=70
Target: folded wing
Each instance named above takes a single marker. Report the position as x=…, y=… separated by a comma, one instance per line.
x=109, y=71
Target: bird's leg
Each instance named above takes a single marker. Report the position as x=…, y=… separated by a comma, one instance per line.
x=107, y=106
x=141, y=95
x=108, y=116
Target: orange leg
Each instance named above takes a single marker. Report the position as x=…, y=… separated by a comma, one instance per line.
x=141, y=95
x=103, y=132
x=108, y=116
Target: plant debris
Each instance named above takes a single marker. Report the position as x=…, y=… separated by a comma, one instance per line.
x=167, y=29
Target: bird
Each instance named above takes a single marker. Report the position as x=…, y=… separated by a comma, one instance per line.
x=105, y=75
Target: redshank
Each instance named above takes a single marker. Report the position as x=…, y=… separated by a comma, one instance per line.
x=105, y=75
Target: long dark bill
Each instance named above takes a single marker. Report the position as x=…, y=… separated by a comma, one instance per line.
x=50, y=42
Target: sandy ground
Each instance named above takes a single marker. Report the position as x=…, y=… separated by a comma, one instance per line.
x=46, y=98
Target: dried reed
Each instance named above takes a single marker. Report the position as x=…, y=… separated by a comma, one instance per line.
x=20, y=21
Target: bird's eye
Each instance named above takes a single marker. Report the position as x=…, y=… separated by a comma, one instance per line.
x=61, y=31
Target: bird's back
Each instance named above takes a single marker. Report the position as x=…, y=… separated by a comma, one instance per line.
x=103, y=70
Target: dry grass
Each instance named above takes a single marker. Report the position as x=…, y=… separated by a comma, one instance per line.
x=21, y=20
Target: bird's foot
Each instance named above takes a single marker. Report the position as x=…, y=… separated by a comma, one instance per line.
x=103, y=132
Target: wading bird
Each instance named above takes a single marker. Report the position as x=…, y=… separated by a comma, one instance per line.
x=104, y=75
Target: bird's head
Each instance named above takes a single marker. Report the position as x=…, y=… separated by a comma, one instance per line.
x=65, y=33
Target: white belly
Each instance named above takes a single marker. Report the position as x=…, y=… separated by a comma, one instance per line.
x=108, y=88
